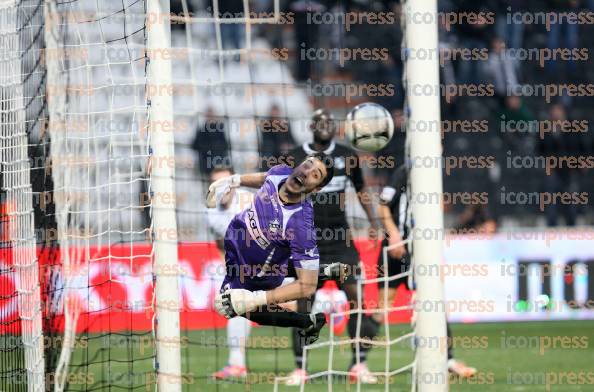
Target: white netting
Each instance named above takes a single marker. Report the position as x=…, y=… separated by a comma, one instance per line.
x=96, y=150
x=96, y=82
x=99, y=116
x=233, y=86
x=386, y=342
x=21, y=338
x=393, y=347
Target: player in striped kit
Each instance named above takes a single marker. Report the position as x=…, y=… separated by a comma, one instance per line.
x=396, y=222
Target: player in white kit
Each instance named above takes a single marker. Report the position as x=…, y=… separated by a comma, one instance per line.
x=238, y=328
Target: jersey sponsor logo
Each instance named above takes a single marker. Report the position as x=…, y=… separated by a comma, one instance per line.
x=254, y=228
x=339, y=163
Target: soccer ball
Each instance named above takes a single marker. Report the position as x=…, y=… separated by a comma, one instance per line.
x=369, y=127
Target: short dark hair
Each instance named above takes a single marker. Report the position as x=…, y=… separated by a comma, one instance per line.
x=328, y=163
x=320, y=113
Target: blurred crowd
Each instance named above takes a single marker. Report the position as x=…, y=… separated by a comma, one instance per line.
x=495, y=56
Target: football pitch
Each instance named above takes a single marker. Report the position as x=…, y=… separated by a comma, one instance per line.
x=543, y=356
x=529, y=356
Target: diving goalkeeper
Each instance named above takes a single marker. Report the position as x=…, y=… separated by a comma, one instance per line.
x=260, y=241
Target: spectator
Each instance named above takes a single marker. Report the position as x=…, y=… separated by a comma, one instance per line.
x=473, y=34
x=511, y=33
x=562, y=179
x=211, y=143
x=515, y=120
x=306, y=34
x=384, y=66
x=501, y=70
x=275, y=137
x=232, y=34
x=476, y=219
x=562, y=35
x=448, y=44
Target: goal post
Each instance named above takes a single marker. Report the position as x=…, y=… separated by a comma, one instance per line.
x=428, y=230
x=164, y=227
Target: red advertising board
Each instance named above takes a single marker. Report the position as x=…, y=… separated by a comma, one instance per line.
x=111, y=288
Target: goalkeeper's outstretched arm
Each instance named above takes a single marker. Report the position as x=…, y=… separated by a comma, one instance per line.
x=303, y=287
x=235, y=302
x=252, y=180
x=221, y=187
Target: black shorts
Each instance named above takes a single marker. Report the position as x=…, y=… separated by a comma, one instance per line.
x=336, y=251
x=339, y=251
x=395, y=267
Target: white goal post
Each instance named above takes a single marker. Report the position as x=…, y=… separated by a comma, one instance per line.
x=165, y=264
x=430, y=326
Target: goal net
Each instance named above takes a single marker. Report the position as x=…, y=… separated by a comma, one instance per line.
x=75, y=211
x=21, y=339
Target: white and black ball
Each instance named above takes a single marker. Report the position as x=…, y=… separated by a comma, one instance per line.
x=369, y=127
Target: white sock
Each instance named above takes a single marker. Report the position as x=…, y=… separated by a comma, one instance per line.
x=238, y=330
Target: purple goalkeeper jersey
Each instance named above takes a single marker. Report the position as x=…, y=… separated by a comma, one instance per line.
x=261, y=239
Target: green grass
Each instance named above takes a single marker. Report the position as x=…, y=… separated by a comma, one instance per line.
x=510, y=357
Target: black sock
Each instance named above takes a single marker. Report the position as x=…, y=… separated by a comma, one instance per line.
x=362, y=354
x=276, y=316
x=304, y=305
x=369, y=329
x=298, y=343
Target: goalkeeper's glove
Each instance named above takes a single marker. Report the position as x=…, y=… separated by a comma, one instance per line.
x=219, y=188
x=234, y=302
x=335, y=271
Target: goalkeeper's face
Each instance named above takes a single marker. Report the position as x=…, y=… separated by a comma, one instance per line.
x=307, y=177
